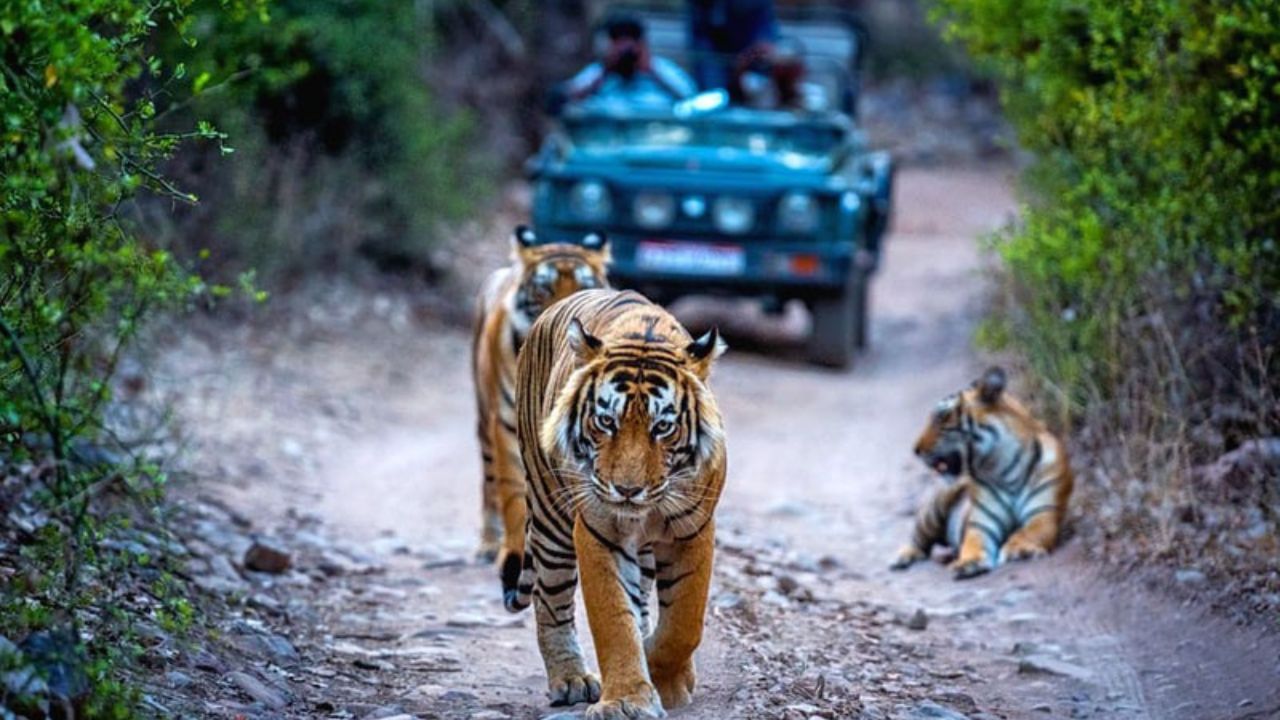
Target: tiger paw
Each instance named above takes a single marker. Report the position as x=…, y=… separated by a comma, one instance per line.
x=675, y=687
x=1014, y=550
x=487, y=552
x=964, y=569
x=643, y=703
x=572, y=688
x=907, y=557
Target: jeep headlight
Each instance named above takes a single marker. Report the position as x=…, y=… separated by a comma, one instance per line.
x=589, y=201
x=653, y=210
x=733, y=215
x=798, y=213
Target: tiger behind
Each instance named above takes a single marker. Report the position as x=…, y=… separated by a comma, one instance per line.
x=1013, y=481
x=510, y=300
x=626, y=460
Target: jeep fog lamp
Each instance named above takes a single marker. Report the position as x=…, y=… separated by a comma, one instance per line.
x=653, y=210
x=733, y=215
x=798, y=213
x=589, y=201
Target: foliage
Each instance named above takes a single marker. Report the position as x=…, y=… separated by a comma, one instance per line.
x=78, y=99
x=339, y=146
x=1156, y=189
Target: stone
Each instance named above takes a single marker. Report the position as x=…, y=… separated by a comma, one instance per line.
x=457, y=696
x=177, y=679
x=489, y=715
x=1042, y=665
x=933, y=711
x=267, y=556
x=1189, y=576
x=386, y=712
x=374, y=664
x=562, y=716
x=257, y=691
x=919, y=620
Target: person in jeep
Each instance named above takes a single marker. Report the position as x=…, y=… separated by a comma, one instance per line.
x=629, y=72
x=735, y=45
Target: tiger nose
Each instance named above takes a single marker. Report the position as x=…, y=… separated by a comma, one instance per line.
x=629, y=491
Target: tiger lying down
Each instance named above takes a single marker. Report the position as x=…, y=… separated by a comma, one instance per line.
x=624, y=454
x=1011, y=481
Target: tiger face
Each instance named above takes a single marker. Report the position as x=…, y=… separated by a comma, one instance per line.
x=962, y=426
x=636, y=420
x=553, y=271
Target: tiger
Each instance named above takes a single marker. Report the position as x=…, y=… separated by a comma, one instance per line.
x=1013, y=481
x=510, y=300
x=625, y=454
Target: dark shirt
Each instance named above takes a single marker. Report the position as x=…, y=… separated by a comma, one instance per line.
x=719, y=30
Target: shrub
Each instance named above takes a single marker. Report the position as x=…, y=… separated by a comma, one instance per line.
x=76, y=284
x=339, y=147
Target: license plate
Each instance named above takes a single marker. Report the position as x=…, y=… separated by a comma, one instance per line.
x=690, y=258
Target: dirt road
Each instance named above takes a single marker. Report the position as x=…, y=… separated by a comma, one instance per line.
x=347, y=435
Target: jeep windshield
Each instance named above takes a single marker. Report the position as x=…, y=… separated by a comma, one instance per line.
x=732, y=133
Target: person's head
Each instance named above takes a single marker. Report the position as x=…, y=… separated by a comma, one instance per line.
x=626, y=43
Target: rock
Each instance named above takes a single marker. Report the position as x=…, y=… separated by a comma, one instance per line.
x=257, y=691
x=177, y=679
x=919, y=620
x=457, y=696
x=933, y=711
x=386, y=712
x=489, y=715
x=374, y=664
x=1189, y=576
x=273, y=647
x=267, y=556
x=1043, y=707
x=1042, y=665
x=562, y=716
x=56, y=656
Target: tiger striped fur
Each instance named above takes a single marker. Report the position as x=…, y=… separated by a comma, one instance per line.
x=625, y=453
x=511, y=299
x=1014, y=481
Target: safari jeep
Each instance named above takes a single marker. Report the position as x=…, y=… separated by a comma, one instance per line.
x=704, y=198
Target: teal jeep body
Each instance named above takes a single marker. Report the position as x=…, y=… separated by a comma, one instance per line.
x=772, y=204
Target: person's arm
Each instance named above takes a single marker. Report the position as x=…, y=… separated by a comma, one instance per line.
x=673, y=78
x=585, y=83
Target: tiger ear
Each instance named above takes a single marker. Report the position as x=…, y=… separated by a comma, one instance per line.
x=991, y=385
x=523, y=240
x=583, y=344
x=703, y=351
x=598, y=243
x=524, y=237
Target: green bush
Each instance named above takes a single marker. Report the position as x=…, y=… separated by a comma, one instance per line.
x=1155, y=194
x=340, y=149
x=78, y=100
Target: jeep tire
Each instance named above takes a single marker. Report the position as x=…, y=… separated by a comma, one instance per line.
x=839, y=324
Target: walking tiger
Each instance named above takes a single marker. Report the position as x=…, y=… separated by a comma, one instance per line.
x=511, y=299
x=625, y=456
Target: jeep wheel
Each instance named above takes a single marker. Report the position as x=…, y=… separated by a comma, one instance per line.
x=839, y=326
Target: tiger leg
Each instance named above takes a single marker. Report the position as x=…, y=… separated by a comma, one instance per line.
x=931, y=526
x=490, y=506
x=1034, y=539
x=984, y=528
x=554, y=566
x=684, y=580
x=648, y=571
x=610, y=575
x=510, y=496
